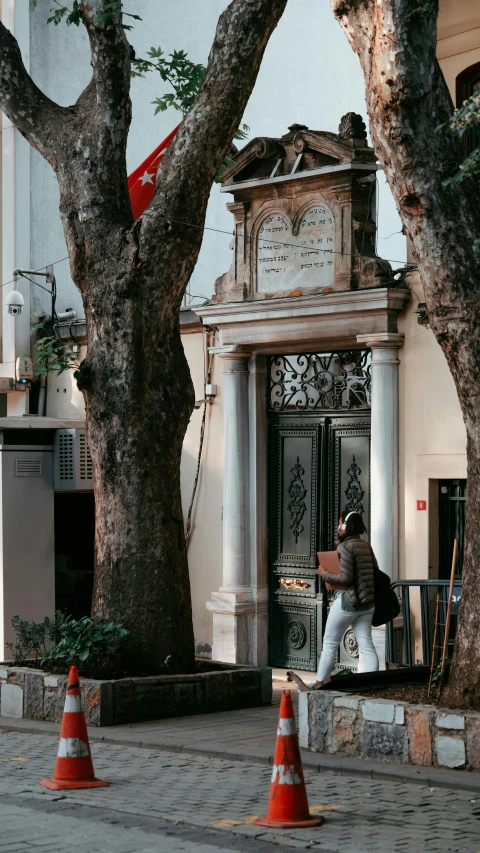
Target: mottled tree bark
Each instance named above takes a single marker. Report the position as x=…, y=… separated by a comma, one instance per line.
x=407, y=101
x=135, y=380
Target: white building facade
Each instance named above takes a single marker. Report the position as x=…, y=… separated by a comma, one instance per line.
x=410, y=426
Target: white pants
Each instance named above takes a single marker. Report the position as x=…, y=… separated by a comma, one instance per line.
x=337, y=623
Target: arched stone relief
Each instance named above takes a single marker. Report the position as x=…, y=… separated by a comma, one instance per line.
x=270, y=262
x=299, y=254
x=314, y=228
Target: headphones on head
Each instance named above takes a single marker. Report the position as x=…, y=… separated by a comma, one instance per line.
x=344, y=522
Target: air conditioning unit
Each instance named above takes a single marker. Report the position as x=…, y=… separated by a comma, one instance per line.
x=72, y=463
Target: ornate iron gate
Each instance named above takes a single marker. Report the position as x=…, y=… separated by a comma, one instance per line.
x=319, y=460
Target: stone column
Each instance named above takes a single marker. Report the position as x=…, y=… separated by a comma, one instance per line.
x=384, y=448
x=384, y=498
x=232, y=606
x=257, y=413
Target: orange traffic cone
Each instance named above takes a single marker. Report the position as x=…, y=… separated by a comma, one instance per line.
x=288, y=805
x=73, y=768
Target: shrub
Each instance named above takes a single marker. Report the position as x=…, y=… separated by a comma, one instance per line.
x=93, y=645
x=33, y=638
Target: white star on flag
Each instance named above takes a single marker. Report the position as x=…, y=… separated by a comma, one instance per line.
x=146, y=178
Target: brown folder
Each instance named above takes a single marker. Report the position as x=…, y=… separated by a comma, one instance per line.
x=330, y=562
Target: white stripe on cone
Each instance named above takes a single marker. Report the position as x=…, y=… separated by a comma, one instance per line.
x=286, y=726
x=72, y=747
x=286, y=775
x=73, y=704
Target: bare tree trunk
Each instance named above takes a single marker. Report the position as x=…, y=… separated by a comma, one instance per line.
x=407, y=101
x=135, y=379
x=138, y=407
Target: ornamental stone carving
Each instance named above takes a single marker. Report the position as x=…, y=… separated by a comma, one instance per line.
x=352, y=126
x=304, y=215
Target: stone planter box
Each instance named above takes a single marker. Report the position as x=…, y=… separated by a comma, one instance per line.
x=386, y=730
x=34, y=695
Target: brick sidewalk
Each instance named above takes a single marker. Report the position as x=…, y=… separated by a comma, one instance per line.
x=165, y=801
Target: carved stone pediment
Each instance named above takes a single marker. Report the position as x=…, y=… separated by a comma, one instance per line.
x=259, y=157
x=304, y=210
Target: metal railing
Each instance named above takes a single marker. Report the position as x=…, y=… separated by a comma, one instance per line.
x=427, y=623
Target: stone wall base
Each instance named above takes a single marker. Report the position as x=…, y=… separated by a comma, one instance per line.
x=27, y=693
x=386, y=730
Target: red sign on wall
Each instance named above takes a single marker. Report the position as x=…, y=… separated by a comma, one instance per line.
x=421, y=504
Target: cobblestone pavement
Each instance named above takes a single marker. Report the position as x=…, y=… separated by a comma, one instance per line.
x=168, y=802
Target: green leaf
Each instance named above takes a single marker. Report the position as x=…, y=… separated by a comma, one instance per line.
x=183, y=75
x=58, y=15
x=155, y=52
x=470, y=168
x=466, y=118
x=242, y=132
x=426, y=9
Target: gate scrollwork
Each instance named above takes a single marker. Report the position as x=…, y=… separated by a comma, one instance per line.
x=338, y=380
x=297, y=506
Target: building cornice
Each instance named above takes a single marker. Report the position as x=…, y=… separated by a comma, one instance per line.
x=335, y=318
x=310, y=173
x=345, y=301
x=189, y=322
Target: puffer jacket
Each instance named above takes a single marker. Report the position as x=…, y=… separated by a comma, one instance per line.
x=357, y=562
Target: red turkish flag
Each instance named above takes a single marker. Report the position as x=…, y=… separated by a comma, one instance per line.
x=141, y=183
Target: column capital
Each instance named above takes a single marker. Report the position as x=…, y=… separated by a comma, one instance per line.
x=231, y=351
x=384, y=347
x=384, y=340
x=235, y=357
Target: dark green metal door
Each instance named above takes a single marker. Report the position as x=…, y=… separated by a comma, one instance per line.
x=297, y=450
x=319, y=463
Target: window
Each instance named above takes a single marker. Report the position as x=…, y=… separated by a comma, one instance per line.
x=468, y=83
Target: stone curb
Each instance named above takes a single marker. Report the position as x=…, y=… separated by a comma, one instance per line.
x=389, y=730
x=31, y=694
x=403, y=773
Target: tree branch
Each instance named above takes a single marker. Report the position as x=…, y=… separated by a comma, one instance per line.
x=205, y=135
x=409, y=106
x=111, y=55
x=186, y=174
x=32, y=113
x=92, y=175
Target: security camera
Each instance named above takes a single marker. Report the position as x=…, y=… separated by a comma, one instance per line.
x=15, y=302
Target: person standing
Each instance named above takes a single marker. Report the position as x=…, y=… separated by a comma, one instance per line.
x=353, y=605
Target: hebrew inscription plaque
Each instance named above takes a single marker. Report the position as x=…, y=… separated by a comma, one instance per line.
x=286, y=261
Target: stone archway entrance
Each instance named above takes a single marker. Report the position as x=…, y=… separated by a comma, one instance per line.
x=305, y=278
x=248, y=334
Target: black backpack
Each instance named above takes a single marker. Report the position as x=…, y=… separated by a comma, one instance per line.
x=387, y=605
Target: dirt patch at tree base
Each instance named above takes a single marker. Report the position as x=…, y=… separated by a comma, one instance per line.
x=415, y=694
